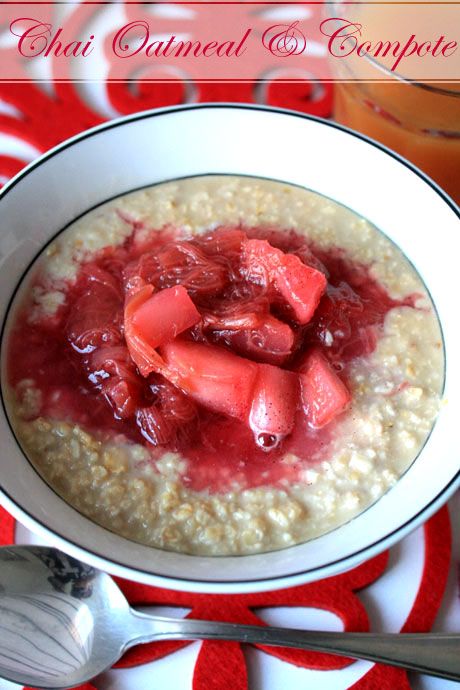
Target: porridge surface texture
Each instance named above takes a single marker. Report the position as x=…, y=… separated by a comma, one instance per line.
x=395, y=390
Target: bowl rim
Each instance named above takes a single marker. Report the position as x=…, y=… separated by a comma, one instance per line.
x=214, y=584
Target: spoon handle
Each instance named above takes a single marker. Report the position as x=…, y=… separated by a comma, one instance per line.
x=436, y=654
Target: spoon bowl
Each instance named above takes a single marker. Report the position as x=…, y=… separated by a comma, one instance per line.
x=60, y=619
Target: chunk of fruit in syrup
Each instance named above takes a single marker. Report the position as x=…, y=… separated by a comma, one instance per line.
x=211, y=375
x=164, y=315
x=301, y=286
x=323, y=393
x=271, y=342
x=144, y=356
x=274, y=405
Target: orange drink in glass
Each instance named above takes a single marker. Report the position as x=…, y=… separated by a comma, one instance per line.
x=419, y=121
x=411, y=105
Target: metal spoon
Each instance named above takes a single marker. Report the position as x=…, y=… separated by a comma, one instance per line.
x=63, y=622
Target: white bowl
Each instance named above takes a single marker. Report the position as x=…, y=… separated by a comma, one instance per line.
x=165, y=144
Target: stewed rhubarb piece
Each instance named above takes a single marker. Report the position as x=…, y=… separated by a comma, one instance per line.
x=271, y=342
x=224, y=241
x=143, y=355
x=165, y=315
x=301, y=286
x=168, y=417
x=111, y=371
x=233, y=316
x=154, y=426
x=323, y=393
x=122, y=396
x=214, y=377
x=95, y=320
x=274, y=405
x=153, y=318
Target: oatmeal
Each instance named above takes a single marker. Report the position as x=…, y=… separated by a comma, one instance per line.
x=222, y=365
